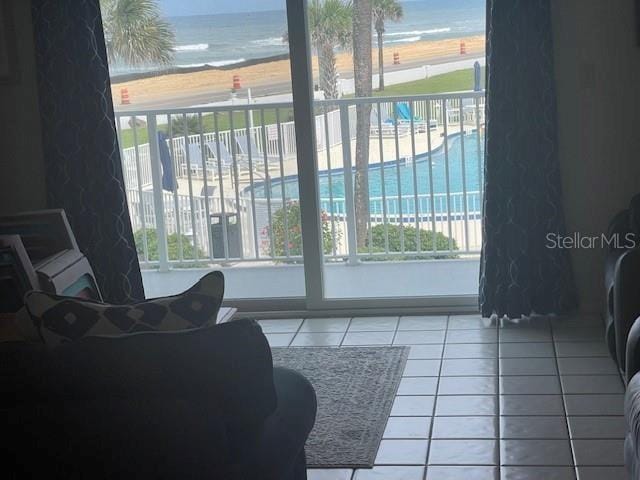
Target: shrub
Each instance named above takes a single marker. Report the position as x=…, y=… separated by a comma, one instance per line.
x=291, y=213
x=189, y=251
x=427, y=239
x=179, y=123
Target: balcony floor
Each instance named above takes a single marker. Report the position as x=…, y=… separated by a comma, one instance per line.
x=365, y=280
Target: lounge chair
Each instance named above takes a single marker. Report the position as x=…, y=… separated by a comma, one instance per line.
x=470, y=109
x=208, y=191
x=382, y=124
x=404, y=116
x=248, y=150
x=226, y=160
x=195, y=161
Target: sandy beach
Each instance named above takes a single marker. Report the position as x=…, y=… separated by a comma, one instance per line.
x=278, y=72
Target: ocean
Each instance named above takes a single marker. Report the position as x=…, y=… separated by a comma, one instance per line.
x=226, y=39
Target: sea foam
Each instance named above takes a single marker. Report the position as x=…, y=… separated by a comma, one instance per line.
x=418, y=32
x=196, y=47
x=215, y=63
x=417, y=38
x=268, y=42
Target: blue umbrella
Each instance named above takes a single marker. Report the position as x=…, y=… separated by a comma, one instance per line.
x=168, y=175
x=476, y=77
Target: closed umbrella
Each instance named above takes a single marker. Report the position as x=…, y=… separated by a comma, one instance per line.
x=476, y=77
x=168, y=175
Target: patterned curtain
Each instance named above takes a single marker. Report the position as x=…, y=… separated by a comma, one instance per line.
x=83, y=169
x=519, y=274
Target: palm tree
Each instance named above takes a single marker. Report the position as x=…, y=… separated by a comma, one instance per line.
x=330, y=27
x=384, y=10
x=362, y=17
x=135, y=32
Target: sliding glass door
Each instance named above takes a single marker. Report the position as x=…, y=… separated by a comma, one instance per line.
x=390, y=171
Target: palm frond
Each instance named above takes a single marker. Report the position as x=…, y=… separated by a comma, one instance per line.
x=385, y=10
x=330, y=22
x=135, y=33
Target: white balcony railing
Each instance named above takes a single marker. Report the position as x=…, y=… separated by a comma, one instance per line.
x=228, y=190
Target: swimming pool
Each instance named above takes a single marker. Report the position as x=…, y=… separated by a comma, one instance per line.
x=393, y=184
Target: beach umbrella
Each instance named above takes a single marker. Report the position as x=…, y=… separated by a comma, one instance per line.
x=476, y=77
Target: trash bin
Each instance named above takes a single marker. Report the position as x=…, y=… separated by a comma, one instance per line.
x=234, y=236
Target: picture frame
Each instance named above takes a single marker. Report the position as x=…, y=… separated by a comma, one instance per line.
x=8, y=54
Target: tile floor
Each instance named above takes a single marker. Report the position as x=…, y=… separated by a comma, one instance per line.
x=538, y=400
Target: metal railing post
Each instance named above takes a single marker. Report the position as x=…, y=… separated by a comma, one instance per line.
x=350, y=209
x=158, y=196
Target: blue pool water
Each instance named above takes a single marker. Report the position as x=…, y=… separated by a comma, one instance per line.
x=427, y=171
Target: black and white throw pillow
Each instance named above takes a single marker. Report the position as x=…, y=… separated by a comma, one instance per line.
x=61, y=320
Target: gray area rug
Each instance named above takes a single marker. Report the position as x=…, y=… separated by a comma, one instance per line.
x=355, y=387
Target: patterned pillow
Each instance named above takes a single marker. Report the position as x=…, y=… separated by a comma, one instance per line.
x=61, y=320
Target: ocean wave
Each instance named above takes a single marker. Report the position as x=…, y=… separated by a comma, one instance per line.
x=268, y=42
x=418, y=32
x=216, y=63
x=196, y=47
x=417, y=38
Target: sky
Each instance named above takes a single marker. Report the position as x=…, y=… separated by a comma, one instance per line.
x=175, y=8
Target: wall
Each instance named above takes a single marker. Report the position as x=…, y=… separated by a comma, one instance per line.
x=21, y=168
x=346, y=86
x=597, y=74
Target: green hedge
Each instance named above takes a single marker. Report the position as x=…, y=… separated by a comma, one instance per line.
x=294, y=237
x=189, y=251
x=427, y=241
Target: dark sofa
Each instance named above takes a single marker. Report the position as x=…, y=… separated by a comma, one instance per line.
x=625, y=314
x=632, y=403
x=195, y=404
x=632, y=442
x=626, y=304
